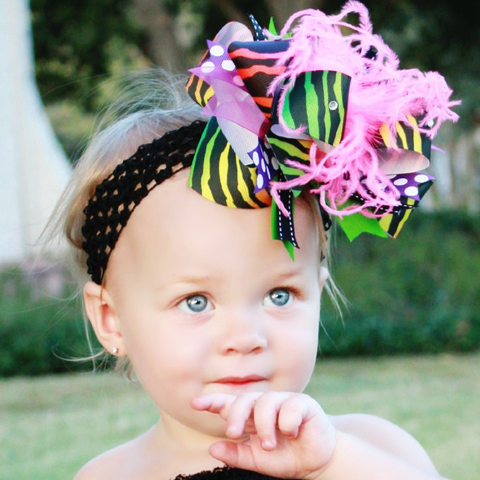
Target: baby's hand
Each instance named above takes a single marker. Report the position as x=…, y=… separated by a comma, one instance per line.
x=290, y=434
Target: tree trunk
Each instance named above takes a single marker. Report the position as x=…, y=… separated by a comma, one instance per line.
x=280, y=10
x=233, y=13
x=33, y=167
x=457, y=170
x=164, y=49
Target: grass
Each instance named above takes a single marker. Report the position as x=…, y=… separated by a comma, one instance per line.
x=50, y=426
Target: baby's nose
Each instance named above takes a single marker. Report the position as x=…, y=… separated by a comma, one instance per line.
x=242, y=332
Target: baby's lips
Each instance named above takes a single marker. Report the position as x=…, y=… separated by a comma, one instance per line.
x=240, y=380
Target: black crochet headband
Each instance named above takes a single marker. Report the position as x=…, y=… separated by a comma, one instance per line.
x=131, y=181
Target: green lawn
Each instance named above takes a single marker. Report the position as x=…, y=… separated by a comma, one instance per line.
x=50, y=426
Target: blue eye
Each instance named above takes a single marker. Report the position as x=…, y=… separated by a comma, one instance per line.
x=194, y=304
x=280, y=297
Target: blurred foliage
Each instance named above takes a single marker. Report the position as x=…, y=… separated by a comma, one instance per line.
x=417, y=294
x=72, y=45
x=72, y=126
x=77, y=47
x=438, y=35
x=39, y=332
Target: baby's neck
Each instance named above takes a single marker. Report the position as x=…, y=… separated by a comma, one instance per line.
x=184, y=449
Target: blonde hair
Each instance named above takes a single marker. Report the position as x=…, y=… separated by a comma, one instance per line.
x=152, y=104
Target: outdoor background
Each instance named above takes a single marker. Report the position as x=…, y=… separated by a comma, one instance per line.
x=408, y=344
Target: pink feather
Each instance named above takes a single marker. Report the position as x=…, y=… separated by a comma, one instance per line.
x=380, y=93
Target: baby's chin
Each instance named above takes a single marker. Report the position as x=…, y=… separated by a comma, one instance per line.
x=210, y=425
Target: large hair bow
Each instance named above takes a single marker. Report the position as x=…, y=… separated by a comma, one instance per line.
x=315, y=108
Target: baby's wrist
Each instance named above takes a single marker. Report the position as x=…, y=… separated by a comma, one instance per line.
x=319, y=474
x=322, y=474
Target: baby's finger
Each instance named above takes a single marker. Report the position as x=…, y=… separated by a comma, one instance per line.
x=294, y=411
x=214, y=403
x=233, y=454
x=265, y=416
x=239, y=412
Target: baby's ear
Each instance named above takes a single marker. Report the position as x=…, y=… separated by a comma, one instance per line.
x=323, y=276
x=103, y=317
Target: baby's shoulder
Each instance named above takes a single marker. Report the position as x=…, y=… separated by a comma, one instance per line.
x=125, y=462
x=106, y=466
x=370, y=428
x=361, y=424
x=384, y=435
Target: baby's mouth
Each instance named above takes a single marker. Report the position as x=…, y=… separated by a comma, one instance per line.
x=241, y=381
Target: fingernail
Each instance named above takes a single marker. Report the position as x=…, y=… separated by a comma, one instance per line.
x=267, y=445
x=232, y=430
x=197, y=403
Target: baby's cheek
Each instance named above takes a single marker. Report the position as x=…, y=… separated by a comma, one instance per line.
x=296, y=360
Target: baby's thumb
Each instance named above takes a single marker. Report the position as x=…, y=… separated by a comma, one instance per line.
x=233, y=454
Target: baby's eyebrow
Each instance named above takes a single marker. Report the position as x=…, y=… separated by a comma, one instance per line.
x=287, y=274
x=192, y=279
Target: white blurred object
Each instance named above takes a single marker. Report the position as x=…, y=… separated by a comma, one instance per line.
x=33, y=167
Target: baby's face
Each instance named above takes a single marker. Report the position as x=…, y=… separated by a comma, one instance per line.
x=207, y=302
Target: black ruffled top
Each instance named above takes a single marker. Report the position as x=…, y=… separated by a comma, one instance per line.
x=226, y=473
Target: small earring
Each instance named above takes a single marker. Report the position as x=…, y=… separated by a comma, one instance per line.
x=114, y=350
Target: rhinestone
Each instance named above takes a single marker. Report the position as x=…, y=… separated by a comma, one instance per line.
x=333, y=105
